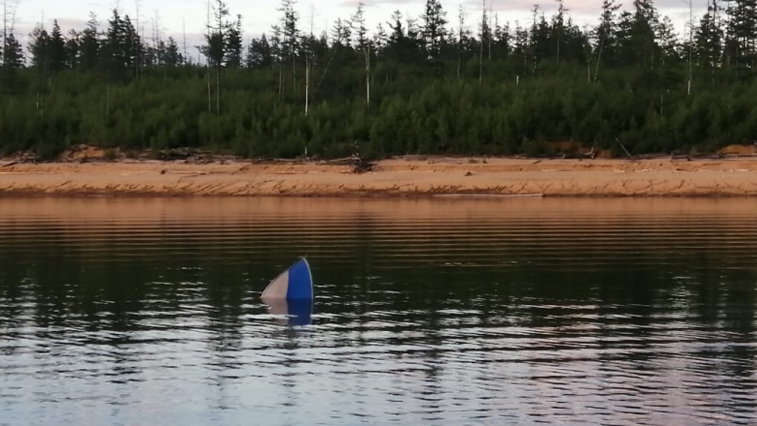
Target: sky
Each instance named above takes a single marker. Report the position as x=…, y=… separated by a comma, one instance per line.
x=178, y=17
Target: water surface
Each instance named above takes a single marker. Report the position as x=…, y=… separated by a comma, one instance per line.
x=452, y=312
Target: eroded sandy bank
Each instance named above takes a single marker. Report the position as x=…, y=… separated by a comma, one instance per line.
x=396, y=177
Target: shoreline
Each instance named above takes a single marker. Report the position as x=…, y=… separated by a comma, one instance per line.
x=432, y=177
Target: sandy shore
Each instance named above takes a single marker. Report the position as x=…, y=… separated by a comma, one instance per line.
x=444, y=177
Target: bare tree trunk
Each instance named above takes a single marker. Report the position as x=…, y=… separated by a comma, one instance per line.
x=481, y=57
x=184, y=40
x=491, y=29
x=294, y=73
x=308, y=63
x=599, y=59
x=218, y=90
x=337, y=42
x=5, y=29
x=107, y=106
x=533, y=51
x=715, y=24
x=588, y=71
x=210, y=93
x=691, y=41
x=137, y=4
x=368, y=76
x=460, y=35
x=307, y=84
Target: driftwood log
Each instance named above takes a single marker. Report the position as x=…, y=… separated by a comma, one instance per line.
x=357, y=162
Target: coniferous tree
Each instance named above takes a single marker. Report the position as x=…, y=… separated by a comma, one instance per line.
x=363, y=45
x=558, y=28
x=290, y=37
x=521, y=47
x=215, y=48
x=172, y=57
x=637, y=57
x=501, y=40
x=57, y=49
x=113, y=54
x=259, y=54
x=708, y=41
x=401, y=49
x=433, y=30
x=90, y=45
x=132, y=46
x=742, y=31
x=605, y=35
x=12, y=62
x=464, y=40
x=636, y=35
x=13, y=54
x=233, y=54
x=667, y=42
x=39, y=48
x=72, y=49
x=359, y=30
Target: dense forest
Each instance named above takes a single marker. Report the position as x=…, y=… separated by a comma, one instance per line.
x=452, y=82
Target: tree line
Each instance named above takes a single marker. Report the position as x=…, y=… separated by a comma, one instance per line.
x=430, y=84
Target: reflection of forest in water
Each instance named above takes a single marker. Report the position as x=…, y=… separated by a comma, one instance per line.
x=598, y=291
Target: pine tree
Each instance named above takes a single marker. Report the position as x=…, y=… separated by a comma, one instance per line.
x=72, y=49
x=666, y=39
x=401, y=49
x=520, y=45
x=259, y=54
x=12, y=61
x=433, y=30
x=13, y=54
x=463, y=40
x=558, y=28
x=233, y=54
x=215, y=48
x=172, y=57
x=502, y=40
x=742, y=31
x=638, y=40
x=39, y=47
x=57, y=49
x=363, y=44
x=359, y=30
x=708, y=41
x=541, y=43
x=114, y=52
x=605, y=35
x=290, y=37
x=90, y=45
x=380, y=39
x=341, y=33
x=485, y=36
x=132, y=46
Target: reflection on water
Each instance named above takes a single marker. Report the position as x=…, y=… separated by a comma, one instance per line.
x=292, y=312
x=127, y=312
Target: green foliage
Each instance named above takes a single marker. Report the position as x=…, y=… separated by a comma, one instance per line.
x=433, y=90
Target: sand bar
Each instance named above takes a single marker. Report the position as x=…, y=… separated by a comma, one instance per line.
x=429, y=177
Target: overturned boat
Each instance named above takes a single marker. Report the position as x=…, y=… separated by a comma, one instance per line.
x=291, y=294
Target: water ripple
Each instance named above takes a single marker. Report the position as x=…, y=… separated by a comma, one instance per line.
x=515, y=312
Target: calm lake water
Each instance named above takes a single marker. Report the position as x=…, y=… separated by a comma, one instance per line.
x=448, y=312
